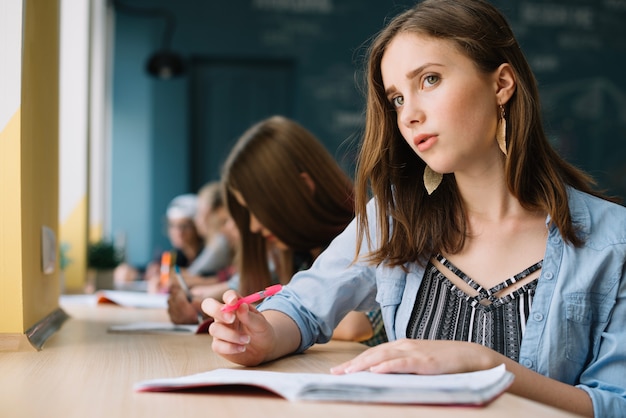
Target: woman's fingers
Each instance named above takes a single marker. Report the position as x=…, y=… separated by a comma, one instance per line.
x=180, y=310
x=419, y=357
x=213, y=308
x=364, y=361
x=243, y=336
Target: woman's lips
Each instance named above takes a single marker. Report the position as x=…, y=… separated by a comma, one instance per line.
x=424, y=142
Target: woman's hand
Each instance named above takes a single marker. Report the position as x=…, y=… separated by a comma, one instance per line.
x=180, y=309
x=247, y=336
x=422, y=357
x=243, y=336
x=443, y=357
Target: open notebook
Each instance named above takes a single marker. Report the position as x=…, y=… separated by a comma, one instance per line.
x=129, y=299
x=161, y=328
x=475, y=388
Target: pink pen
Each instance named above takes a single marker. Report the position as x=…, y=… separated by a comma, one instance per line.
x=255, y=297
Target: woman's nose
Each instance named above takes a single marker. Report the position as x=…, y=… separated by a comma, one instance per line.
x=411, y=112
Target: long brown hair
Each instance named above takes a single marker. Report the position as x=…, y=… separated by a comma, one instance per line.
x=265, y=167
x=535, y=174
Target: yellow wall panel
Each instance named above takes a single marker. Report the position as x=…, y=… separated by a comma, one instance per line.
x=40, y=153
x=11, y=300
x=29, y=171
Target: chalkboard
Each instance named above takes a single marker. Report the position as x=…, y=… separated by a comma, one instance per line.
x=577, y=49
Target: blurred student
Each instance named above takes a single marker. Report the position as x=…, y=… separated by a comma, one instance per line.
x=184, y=239
x=217, y=254
x=186, y=308
x=208, y=275
x=289, y=199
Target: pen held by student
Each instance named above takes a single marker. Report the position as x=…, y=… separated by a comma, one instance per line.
x=182, y=283
x=255, y=297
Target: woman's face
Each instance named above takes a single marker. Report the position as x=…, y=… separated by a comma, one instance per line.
x=447, y=109
x=256, y=227
x=202, y=218
x=231, y=232
x=209, y=220
x=182, y=232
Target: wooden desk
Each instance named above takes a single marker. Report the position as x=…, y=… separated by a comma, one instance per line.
x=83, y=371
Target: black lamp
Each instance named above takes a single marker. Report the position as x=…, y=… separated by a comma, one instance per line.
x=164, y=63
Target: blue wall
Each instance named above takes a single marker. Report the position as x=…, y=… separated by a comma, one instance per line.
x=151, y=144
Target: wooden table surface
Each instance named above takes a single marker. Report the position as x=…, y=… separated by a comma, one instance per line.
x=85, y=371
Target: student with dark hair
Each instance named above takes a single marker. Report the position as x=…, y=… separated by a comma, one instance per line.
x=481, y=244
x=289, y=198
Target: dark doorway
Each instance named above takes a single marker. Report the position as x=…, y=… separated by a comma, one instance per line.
x=227, y=96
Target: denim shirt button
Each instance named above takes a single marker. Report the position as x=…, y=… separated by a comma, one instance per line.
x=556, y=240
x=548, y=276
x=538, y=317
x=527, y=363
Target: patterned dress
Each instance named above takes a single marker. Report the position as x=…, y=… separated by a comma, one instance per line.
x=443, y=311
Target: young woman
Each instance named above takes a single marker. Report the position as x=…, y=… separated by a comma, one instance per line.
x=186, y=244
x=186, y=308
x=214, y=266
x=289, y=199
x=481, y=245
x=217, y=253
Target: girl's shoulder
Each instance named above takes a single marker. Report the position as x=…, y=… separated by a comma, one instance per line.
x=599, y=218
x=581, y=202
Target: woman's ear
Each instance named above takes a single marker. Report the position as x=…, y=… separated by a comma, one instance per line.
x=308, y=181
x=506, y=83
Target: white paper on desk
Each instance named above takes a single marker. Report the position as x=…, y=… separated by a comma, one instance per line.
x=133, y=299
x=153, y=328
x=475, y=388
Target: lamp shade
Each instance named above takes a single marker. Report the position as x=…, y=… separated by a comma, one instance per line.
x=165, y=64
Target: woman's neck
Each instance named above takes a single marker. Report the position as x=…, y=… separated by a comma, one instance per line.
x=485, y=194
x=488, y=201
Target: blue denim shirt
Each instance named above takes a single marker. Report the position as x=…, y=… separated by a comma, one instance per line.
x=576, y=332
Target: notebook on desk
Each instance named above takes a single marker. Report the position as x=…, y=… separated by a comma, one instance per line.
x=475, y=388
x=131, y=299
x=161, y=328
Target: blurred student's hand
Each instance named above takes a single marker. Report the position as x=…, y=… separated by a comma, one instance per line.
x=124, y=273
x=181, y=311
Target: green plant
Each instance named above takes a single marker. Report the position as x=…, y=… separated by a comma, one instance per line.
x=103, y=255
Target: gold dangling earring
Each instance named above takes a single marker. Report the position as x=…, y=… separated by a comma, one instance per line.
x=432, y=179
x=501, y=131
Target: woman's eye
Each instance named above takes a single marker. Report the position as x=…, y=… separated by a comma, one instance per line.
x=431, y=80
x=397, y=101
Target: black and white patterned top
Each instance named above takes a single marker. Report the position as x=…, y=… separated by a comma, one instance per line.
x=443, y=311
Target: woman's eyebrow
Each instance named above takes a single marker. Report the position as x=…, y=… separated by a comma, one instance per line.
x=410, y=75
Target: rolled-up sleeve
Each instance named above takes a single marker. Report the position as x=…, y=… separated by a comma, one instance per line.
x=318, y=298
